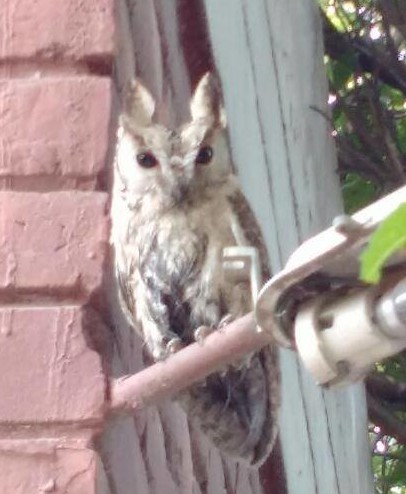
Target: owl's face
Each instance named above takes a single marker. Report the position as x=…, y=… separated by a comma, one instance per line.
x=173, y=166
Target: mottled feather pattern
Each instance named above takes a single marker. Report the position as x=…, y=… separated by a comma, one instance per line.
x=168, y=301
x=252, y=232
x=176, y=206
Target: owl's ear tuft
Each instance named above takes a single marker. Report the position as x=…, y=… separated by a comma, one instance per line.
x=206, y=101
x=139, y=105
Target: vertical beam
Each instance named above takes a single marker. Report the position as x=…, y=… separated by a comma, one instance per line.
x=270, y=57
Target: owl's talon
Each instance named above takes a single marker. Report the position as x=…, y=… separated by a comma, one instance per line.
x=223, y=372
x=225, y=320
x=202, y=332
x=173, y=346
x=244, y=363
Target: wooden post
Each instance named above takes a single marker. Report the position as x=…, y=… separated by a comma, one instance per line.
x=270, y=58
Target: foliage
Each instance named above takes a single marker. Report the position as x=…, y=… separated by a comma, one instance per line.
x=357, y=192
x=386, y=240
x=389, y=466
x=365, y=53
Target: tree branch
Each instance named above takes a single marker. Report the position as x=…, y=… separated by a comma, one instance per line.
x=368, y=58
x=386, y=420
x=350, y=159
x=394, y=14
x=386, y=389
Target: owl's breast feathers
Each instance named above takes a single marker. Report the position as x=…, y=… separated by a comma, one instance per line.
x=170, y=263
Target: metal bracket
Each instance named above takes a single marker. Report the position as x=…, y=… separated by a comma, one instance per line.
x=317, y=305
x=340, y=338
x=241, y=263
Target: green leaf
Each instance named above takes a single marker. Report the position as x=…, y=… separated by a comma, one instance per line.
x=357, y=192
x=398, y=473
x=389, y=238
x=401, y=134
x=341, y=70
x=394, y=367
x=393, y=98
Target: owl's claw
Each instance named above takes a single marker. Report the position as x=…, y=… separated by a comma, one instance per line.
x=173, y=346
x=227, y=319
x=202, y=332
x=223, y=372
x=244, y=363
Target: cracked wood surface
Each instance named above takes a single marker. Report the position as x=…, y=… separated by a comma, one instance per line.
x=270, y=61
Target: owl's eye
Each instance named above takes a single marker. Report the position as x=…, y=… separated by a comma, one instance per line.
x=147, y=160
x=204, y=156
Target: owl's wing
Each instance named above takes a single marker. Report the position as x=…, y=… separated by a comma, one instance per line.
x=238, y=409
x=263, y=371
x=126, y=296
x=250, y=229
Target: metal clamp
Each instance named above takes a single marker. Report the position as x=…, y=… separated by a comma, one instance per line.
x=339, y=339
x=241, y=263
x=318, y=306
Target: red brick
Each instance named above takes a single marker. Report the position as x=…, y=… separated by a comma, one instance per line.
x=44, y=29
x=53, y=242
x=47, y=466
x=55, y=127
x=49, y=371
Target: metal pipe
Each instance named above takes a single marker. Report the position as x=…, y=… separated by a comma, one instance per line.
x=391, y=311
x=191, y=364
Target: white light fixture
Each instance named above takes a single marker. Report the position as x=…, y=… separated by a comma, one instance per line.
x=318, y=306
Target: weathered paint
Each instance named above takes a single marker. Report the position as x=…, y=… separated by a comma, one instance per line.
x=269, y=56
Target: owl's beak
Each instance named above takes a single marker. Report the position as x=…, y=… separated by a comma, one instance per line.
x=179, y=180
x=176, y=164
x=179, y=191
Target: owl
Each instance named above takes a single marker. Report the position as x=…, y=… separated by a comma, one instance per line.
x=176, y=205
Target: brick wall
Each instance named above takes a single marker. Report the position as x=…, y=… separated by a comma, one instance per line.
x=55, y=107
x=62, y=336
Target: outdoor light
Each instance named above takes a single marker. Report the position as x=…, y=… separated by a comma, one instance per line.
x=318, y=306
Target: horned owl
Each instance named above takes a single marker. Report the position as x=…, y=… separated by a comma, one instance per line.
x=176, y=205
